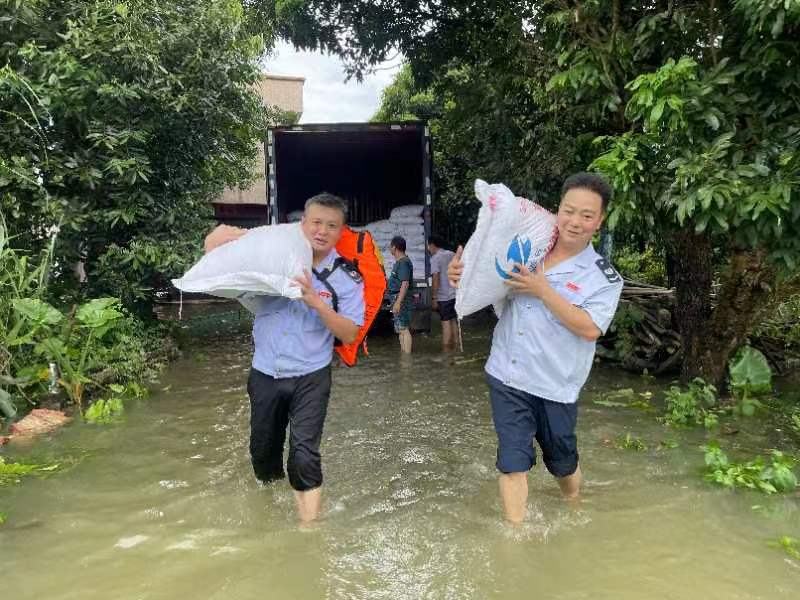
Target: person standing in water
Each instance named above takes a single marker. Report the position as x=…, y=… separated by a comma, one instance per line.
x=399, y=287
x=544, y=345
x=290, y=379
x=443, y=294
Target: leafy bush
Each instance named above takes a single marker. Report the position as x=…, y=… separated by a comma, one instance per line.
x=646, y=267
x=93, y=343
x=777, y=476
x=630, y=442
x=108, y=410
x=121, y=121
x=783, y=325
x=628, y=315
x=104, y=411
x=13, y=472
x=788, y=544
x=691, y=406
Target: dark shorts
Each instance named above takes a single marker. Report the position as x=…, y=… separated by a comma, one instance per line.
x=520, y=417
x=402, y=320
x=447, y=309
x=274, y=405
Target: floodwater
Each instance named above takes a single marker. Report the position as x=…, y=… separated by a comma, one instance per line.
x=163, y=505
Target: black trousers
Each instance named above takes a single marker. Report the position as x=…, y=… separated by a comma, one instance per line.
x=301, y=403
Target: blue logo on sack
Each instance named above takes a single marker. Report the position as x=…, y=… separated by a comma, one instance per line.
x=518, y=252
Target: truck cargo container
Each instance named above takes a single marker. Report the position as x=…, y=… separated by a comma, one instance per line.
x=374, y=167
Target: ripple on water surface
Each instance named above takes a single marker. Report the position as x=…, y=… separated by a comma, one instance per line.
x=164, y=505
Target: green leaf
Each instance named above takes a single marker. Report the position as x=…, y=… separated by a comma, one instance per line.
x=712, y=120
x=98, y=313
x=37, y=311
x=658, y=110
x=751, y=371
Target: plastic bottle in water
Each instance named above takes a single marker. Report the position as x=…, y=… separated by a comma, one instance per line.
x=53, y=387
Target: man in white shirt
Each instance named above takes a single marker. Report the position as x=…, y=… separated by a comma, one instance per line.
x=544, y=344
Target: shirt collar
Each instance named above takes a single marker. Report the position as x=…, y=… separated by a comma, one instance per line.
x=328, y=260
x=582, y=260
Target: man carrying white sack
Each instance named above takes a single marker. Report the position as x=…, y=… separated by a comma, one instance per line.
x=544, y=345
x=290, y=380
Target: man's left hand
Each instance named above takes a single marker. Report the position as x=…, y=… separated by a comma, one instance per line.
x=528, y=282
x=309, y=295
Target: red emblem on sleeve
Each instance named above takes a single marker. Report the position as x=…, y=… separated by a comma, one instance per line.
x=574, y=287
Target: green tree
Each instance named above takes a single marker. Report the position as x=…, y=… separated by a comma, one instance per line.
x=120, y=121
x=695, y=107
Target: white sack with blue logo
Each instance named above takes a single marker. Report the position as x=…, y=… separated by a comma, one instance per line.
x=509, y=230
x=264, y=261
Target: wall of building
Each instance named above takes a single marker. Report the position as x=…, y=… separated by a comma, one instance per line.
x=287, y=94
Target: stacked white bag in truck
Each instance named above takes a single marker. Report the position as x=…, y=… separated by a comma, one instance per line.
x=509, y=230
x=408, y=222
x=264, y=261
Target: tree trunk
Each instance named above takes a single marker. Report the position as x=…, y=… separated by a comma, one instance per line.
x=692, y=271
x=746, y=289
x=712, y=334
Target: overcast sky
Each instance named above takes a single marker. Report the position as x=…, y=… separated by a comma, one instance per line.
x=326, y=98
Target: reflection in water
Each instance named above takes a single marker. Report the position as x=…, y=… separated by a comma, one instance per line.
x=164, y=505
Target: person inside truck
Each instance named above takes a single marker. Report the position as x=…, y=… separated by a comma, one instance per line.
x=443, y=295
x=399, y=289
x=544, y=344
x=290, y=379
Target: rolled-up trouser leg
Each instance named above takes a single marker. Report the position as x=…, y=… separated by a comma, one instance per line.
x=515, y=425
x=269, y=416
x=307, y=412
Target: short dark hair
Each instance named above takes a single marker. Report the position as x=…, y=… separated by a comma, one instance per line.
x=398, y=242
x=589, y=181
x=328, y=201
x=437, y=241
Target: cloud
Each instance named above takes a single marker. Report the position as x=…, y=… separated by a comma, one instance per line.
x=326, y=97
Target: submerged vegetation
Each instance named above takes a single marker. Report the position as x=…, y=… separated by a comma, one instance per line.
x=756, y=474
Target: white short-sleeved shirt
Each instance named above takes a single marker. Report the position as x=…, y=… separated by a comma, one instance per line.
x=439, y=263
x=533, y=351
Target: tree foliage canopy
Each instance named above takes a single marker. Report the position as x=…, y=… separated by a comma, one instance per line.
x=692, y=109
x=120, y=121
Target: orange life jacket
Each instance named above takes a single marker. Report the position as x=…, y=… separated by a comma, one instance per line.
x=360, y=252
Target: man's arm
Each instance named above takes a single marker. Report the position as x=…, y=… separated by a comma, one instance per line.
x=434, y=289
x=341, y=327
x=222, y=234
x=574, y=318
x=405, y=284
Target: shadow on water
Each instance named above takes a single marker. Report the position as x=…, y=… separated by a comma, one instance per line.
x=163, y=505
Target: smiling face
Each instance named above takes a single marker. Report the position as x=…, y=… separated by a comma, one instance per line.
x=322, y=226
x=579, y=216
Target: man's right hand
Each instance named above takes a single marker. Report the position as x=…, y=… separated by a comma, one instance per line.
x=222, y=234
x=455, y=268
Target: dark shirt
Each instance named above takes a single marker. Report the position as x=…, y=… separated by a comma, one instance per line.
x=402, y=271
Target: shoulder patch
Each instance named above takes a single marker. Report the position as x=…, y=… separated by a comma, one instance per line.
x=608, y=271
x=351, y=270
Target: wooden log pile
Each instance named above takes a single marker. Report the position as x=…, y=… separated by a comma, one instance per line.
x=642, y=336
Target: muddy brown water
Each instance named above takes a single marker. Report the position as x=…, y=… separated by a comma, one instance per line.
x=163, y=505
